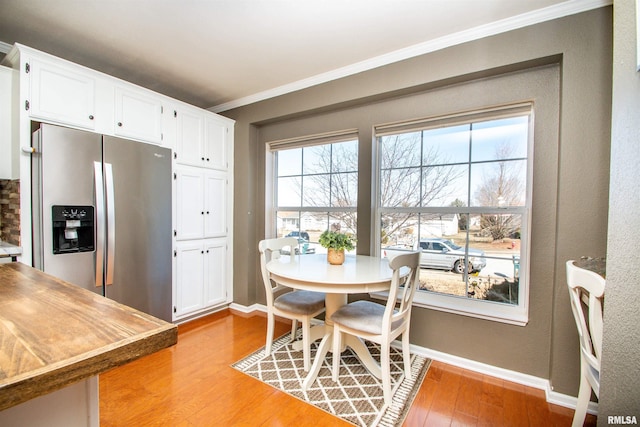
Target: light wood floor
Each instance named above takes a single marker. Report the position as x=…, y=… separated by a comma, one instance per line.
x=193, y=384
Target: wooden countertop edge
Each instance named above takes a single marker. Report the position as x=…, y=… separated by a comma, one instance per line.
x=55, y=377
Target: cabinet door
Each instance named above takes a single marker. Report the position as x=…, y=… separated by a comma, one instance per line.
x=215, y=272
x=138, y=116
x=170, y=127
x=190, y=204
x=189, y=277
x=8, y=169
x=215, y=202
x=61, y=95
x=190, y=138
x=215, y=144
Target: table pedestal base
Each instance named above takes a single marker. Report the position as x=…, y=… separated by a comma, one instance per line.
x=326, y=346
x=325, y=331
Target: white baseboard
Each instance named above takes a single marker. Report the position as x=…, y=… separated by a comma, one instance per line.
x=199, y=314
x=248, y=309
x=482, y=368
x=505, y=374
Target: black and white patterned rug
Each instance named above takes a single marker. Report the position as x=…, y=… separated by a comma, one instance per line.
x=356, y=398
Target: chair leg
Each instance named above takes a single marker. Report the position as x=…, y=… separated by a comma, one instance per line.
x=385, y=367
x=406, y=355
x=306, y=343
x=584, y=395
x=294, y=326
x=270, y=330
x=336, y=353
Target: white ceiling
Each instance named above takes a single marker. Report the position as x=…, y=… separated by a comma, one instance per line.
x=228, y=53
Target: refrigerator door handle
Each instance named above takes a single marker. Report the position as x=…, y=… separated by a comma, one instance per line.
x=100, y=223
x=111, y=222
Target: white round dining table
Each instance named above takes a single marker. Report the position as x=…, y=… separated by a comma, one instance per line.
x=358, y=274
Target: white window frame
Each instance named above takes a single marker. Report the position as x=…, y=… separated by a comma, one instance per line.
x=482, y=309
x=271, y=183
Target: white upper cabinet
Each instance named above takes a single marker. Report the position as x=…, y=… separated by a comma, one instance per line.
x=61, y=94
x=9, y=158
x=190, y=138
x=138, y=115
x=202, y=139
x=216, y=135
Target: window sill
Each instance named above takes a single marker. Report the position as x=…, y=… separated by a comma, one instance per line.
x=487, y=310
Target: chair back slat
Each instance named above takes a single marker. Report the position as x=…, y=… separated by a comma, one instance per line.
x=586, y=293
x=271, y=249
x=586, y=290
x=402, y=290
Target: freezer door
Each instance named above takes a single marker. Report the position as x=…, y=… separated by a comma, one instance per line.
x=63, y=174
x=139, y=243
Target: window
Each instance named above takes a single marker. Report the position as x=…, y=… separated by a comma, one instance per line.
x=457, y=189
x=315, y=187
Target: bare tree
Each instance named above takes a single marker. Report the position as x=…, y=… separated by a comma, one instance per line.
x=409, y=178
x=502, y=187
x=331, y=180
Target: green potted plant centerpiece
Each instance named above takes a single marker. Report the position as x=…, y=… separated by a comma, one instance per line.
x=336, y=243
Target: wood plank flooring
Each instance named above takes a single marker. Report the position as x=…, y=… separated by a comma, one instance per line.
x=193, y=384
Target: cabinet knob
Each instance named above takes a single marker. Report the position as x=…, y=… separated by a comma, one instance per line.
x=120, y=124
x=202, y=213
x=207, y=212
x=207, y=159
x=90, y=116
x=202, y=158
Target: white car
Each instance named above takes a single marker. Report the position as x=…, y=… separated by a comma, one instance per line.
x=443, y=254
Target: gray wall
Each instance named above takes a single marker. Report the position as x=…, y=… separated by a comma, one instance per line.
x=620, y=387
x=570, y=187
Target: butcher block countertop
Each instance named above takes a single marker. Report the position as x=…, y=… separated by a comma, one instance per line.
x=53, y=334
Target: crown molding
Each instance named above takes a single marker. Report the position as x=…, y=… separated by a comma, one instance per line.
x=549, y=13
x=5, y=47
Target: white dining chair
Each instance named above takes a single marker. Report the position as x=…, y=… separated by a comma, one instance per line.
x=382, y=323
x=296, y=305
x=586, y=290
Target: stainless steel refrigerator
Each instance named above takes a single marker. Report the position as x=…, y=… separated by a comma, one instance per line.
x=102, y=215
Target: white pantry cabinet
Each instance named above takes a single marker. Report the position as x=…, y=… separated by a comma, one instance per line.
x=201, y=203
x=204, y=211
x=203, y=235
x=201, y=273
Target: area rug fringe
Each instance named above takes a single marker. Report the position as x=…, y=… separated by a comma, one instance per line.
x=406, y=392
x=283, y=370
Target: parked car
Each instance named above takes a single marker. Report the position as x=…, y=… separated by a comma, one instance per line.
x=442, y=254
x=302, y=234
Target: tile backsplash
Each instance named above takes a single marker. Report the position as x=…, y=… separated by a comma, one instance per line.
x=10, y=211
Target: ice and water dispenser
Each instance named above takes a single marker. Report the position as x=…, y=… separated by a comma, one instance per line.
x=73, y=229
